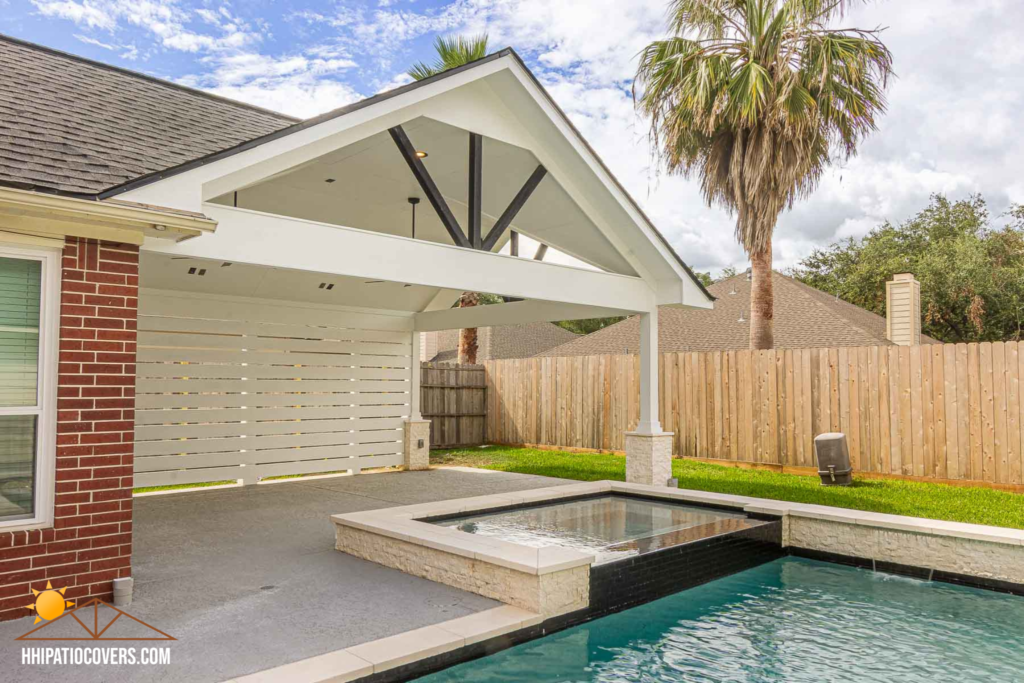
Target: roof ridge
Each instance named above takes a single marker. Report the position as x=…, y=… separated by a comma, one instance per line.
x=800, y=287
x=146, y=77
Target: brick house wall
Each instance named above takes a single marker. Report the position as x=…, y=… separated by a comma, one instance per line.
x=90, y=543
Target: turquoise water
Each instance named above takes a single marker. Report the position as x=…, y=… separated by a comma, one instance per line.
x=792, y=621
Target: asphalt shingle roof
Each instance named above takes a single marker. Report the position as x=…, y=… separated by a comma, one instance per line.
x=804, y=318
x=507, y=341
x=75, y=126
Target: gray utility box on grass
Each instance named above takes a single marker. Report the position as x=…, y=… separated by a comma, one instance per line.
x=833, y=459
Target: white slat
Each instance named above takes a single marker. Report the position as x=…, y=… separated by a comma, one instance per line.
x=230, y=391
x=213, y=341
x=251, y=372
x=237, y=386
x=145, y=418
x=193, y=355
x=253, y=429
x=268, y=400
x=293, y=441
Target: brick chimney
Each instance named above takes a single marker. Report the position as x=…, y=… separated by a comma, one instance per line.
x=903, y=310
x=428, y=345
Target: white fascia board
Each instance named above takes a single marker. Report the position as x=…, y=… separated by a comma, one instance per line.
x=263, y=239
x=512, y=313
x=240, y=170
x=667, y=295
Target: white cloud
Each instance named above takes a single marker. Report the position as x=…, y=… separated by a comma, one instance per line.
x=299, y=85
x=167, y=20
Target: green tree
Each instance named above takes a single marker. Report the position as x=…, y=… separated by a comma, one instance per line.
x=971, y=272
x=756, y=98
x=452, y=52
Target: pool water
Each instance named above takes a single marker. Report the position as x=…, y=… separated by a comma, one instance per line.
x=602, y=526
x=792, y=621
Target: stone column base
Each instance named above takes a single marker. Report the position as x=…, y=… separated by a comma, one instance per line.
x=417, y=457
x=648, y=458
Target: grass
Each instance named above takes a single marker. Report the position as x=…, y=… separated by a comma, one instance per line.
x=915, y=499
x=176, y=487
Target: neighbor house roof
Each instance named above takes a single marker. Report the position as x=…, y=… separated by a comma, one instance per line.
x=508, y=341
x=74, y=126
x=804, y=318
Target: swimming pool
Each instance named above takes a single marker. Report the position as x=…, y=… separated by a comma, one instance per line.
x=609, y=526
x=791, y=620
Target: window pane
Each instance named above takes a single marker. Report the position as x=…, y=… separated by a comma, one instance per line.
x=20, y=283
x=17, y=465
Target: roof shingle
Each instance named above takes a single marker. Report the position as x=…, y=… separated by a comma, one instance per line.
x=507, y=341
x=804, y=318
x=94, y=126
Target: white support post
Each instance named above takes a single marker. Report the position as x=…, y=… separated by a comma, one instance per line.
x=648, y=449
x=417, y=430
x=414, y=385
x=649, y=423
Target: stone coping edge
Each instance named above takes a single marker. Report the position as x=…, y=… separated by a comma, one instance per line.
x=358, y=661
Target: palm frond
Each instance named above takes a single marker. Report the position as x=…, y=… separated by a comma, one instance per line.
x=755, y=98
x=452, y=52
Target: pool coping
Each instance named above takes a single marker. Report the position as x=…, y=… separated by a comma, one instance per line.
x=485, y=632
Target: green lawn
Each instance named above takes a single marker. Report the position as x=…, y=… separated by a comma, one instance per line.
x=916, y=499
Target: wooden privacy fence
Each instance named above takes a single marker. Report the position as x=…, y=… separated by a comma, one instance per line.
x=452, y=398
x=936, y=411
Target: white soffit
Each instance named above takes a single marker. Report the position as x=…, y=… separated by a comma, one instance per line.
x=497, y=98
x=371, y=183
x=160, y=271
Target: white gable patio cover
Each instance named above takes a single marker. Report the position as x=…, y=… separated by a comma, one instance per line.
x=316, y=219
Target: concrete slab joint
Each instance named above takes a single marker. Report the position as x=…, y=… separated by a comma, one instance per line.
x=648, y=458
x=417, y=457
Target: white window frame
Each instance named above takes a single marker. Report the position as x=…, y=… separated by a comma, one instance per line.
x=46, y=387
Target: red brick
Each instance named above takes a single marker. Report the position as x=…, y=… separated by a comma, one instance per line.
x=84, y=287
x=72, y=333
x=75, y=404
x=68, y=570
x=84, y=311
x=103, y=300
x=94, y=484
x=104, y=437
x=99, y=530
x=20, y=551
x=106, y=278
x=64, y=546
x=94, y=415
x=71, y=298
x=117, y=290
x=107, y=312
x=99, y=553
x=50, y=560
x=123, y=257
x=117, y=335
x=103, y=323
x=102, y=368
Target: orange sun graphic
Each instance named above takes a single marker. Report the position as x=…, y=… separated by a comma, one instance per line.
x=50, y=603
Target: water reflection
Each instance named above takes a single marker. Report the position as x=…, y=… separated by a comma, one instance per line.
x=601, y=526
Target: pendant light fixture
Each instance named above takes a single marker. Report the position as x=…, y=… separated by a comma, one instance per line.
x=414, y=201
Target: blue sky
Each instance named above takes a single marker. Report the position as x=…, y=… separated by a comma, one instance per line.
x=956, y=108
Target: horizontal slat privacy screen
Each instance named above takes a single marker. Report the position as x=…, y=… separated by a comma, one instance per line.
x=242, y=390
x=19, y=330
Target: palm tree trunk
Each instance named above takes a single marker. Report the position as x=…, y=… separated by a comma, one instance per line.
x=762, y=303
x=468, y=337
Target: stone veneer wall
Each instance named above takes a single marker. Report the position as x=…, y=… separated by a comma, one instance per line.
x=549, y=595
x=90, y=542
x=956, y=555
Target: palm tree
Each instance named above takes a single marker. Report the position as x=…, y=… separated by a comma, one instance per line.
x=453, y=51
x=756, y=98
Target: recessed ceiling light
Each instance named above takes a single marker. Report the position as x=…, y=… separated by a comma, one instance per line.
x=421, y=154
x=329, y=180
x=160, y=228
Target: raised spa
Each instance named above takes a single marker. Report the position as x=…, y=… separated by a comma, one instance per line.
x=610, y=527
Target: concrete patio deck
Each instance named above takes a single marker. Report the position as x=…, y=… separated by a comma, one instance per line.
x=248, y=579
